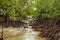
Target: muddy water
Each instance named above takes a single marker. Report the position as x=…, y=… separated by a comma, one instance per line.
x=30, y=34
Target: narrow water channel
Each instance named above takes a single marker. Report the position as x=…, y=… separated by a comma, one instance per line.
x=30, y=35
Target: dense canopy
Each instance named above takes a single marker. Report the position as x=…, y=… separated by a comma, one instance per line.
x=19, y=8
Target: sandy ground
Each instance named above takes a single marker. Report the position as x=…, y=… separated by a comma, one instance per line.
x=22, y=34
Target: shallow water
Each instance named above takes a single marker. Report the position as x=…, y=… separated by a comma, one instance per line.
x=30, y=34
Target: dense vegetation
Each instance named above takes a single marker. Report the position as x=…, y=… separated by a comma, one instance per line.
x=17, y=9
x=45, y=12
x=48, y=20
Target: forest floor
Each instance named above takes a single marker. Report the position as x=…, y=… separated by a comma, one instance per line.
x=22, y=34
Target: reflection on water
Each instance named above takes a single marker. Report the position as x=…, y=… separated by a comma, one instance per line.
x=30, y=34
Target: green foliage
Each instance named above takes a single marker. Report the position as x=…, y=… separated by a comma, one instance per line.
x=19, y=8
